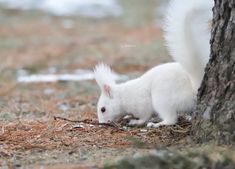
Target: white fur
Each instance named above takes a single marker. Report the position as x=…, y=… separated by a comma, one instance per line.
x=165, y=89
x=168, y=88
x=103, y=74
x=187, y=35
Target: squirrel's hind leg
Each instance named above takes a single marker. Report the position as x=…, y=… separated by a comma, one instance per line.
x=162, y=123
x=169, y=117
x=164, y=107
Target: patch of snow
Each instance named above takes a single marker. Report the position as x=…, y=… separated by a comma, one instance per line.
x=88, y=8
x=53, y=78
x=79, y=75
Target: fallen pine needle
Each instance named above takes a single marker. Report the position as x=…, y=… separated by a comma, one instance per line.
x=86, y=121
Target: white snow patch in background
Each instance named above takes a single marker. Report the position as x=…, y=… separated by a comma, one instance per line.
x=89, y=8
x=36, y=78
x=79, y=75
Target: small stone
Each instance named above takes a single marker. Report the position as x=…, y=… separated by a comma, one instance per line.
x=78, y=126
x=143, y=130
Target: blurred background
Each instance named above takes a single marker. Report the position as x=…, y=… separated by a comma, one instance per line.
x=48, y=49
x=78, y=33
x=69, y=37
x=57, y=37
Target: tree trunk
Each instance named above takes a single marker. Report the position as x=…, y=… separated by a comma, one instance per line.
x=215, y=113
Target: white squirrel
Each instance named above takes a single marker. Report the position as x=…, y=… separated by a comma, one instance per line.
x=168, y=88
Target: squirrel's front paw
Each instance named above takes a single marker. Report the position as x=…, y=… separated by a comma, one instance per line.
x=153, y=125
x=134, y=122
x=162, y=123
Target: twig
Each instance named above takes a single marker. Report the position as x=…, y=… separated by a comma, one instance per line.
x=180, y=131
x=86, y=121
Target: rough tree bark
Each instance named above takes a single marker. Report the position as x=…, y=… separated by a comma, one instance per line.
x=215, y=113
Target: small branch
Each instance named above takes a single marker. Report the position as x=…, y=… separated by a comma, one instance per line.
x=181, y=129
x=86, y=121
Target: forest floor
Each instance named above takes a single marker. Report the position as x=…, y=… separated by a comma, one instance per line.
x=35, y=126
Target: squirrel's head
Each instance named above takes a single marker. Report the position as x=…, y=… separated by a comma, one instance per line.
x=108, y=107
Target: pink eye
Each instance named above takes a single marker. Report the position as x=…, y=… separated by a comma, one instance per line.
x=103, y=109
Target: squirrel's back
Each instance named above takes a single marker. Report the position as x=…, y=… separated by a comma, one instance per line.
x=187, y=34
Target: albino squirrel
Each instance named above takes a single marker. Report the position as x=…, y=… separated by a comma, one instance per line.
x=168, y=88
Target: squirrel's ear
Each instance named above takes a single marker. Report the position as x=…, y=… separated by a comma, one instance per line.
x=105, y=78
x=107, y=90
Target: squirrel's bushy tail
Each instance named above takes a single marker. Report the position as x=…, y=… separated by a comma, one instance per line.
x=187, y=35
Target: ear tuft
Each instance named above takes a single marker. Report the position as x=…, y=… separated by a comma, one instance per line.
x=104, y=77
